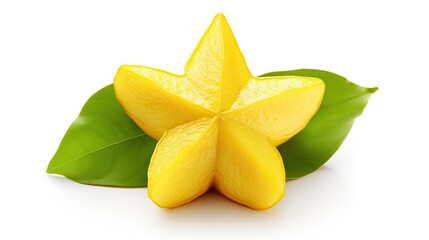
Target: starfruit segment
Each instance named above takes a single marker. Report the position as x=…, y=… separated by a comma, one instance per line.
x=171, y=83
x=183, y=163
x=278, y=107
x=217, y=68
x=249, y=169
x=150, y=98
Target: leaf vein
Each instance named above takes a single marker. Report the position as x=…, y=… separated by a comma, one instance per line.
x=345, y=100
x=96, y=150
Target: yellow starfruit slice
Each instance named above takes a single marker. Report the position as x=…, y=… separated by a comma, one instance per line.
x=249, y=169
x=185, y=155
x=217, y=125
x=278, y=107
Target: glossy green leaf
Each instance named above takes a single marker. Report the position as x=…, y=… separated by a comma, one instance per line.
x=103, y=146
x=312, y=147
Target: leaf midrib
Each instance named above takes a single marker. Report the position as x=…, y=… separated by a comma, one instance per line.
x=96, y=150
x=347, y=99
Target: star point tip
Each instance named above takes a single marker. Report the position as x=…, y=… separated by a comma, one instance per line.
x=220, y=17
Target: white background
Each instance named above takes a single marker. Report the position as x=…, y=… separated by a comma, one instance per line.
x=54, y=55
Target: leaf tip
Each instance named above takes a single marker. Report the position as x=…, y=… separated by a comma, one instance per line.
x=373, y=90
x=50, y=169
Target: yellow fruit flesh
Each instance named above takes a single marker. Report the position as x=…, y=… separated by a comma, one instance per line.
x=217, y=67
x=278, y=107
x=150, y=104
x=249, y=169
x=219, y=152
x=216, y=124
x=183, y=163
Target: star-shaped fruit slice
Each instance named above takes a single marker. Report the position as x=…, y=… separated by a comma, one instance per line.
x=217, y=125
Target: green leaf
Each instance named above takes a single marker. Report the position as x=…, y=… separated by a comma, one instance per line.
x=103, y=146
x=312, y=147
